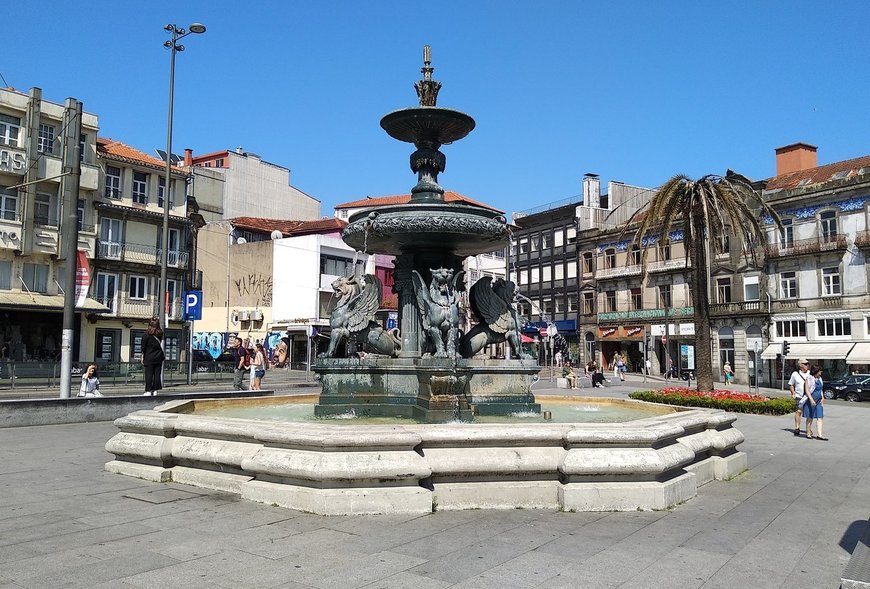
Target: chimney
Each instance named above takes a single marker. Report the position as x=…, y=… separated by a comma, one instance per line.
x=591, y=190
x=188, y=157
x=795, y=157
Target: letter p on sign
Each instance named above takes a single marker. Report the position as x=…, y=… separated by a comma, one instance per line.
x=193, y=305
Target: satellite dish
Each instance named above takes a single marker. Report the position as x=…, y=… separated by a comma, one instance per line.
x=241, y=240
x=277, y=234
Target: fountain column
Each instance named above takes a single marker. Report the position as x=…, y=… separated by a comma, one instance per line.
x=409, y=317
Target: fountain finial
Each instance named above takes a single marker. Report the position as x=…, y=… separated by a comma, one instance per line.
x=427, y=88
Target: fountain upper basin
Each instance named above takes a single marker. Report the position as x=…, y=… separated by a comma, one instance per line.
x=427, y=123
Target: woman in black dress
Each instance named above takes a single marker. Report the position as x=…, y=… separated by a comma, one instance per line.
x=152, y=357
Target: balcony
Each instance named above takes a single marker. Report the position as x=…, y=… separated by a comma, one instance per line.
x=668, y=265
x=736, y=308
x=862, y=239
x=646, y=314
x=618, y=272
x=139, y=254
x=823, y=243
x=125, y=307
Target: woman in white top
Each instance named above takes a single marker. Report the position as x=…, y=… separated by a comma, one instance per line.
x=90, y=383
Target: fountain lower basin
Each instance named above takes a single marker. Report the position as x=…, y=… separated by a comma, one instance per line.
x=650, y=463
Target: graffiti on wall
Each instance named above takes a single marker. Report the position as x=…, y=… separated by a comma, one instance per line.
x=256, y=286
x=214, y=342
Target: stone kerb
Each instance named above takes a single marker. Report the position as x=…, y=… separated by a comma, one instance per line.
x=653, y=463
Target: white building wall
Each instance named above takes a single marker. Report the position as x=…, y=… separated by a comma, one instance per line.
x=295, y=278
x=255, y=188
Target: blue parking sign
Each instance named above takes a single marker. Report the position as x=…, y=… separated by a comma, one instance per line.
x=193, y=305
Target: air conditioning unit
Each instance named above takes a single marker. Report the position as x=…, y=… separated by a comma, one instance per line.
x=256, y=315
x=244, y=315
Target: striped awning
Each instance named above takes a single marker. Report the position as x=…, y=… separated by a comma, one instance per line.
x=36, y=301
x=860, y=354
x=810, y=351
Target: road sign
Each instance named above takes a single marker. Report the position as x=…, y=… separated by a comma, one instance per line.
x=551, y=330
x=193, y=305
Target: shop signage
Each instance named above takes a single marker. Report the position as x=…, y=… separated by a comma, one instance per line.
x=12, y=161
x=646, y=314
x=606, y=331
x=83, y=278
x=632, y=331
x=684, y=329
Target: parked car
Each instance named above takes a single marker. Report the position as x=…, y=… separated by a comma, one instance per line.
x=203, y=362
x=855, y=387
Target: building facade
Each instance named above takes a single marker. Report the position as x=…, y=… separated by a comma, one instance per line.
x=32, y=208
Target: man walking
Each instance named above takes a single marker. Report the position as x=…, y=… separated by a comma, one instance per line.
x=241, y=356
x=797, y=389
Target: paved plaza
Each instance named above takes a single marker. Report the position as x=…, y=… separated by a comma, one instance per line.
x=790, y=521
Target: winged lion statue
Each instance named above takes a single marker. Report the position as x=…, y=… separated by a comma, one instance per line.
x=492, y=302
x=359, y=299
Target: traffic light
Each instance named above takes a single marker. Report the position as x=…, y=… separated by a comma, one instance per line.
x=785, y=348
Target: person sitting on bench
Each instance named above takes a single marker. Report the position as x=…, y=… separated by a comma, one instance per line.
x=570, y=375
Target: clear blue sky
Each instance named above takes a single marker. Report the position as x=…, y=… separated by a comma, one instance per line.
x=633, y=91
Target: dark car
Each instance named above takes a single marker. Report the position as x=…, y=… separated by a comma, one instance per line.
x=203, y=362
x=852, y=388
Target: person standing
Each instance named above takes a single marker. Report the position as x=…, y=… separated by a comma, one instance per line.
x=152, y=357
x=814, y=409
x=258, y=366
x=729, y=374
x=90, y=383
x=242, y=363
x=797, y=386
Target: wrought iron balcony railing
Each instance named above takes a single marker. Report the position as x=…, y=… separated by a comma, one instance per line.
x=822, y=243
x=736, y=308
x=138, y=253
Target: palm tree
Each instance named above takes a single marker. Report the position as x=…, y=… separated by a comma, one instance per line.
x=703, y=209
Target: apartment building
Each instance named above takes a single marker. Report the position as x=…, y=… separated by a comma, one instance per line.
x=128, y=210
x=32, y=207
x=816, y=290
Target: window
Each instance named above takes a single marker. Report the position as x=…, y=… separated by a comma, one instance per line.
x=788, y=285
x=830, y=282
x=636, y=299
x=140, y=188
x=8, y=204
x=546, y=273
x=635, y=255
x=559, y=272
x=113, y=182
x=588, y=263
x=106, y=286
x=138, y=287
x=171, y=346
x=110, y=238
x=35, y=277
x=723, y=290
x=611, y=300
x=665, y=252
x=80, y=214
x=547, y=307
x=337, y=266
x=828, y=225
x=546, y=241
x=136, y=336
x=107, y=347
x=83, y=146
x=161, y=190
x=9, y=130
x=558, y=238
x=795, y=328
x=726, y=346
x=172, y=253
x=572, y=304
x=665, y=296
x=535, y=242
x=535, y=276
x=5, y=275
x=524, y=246
x=724, y=241
x=219, y=162
x=588, y=303
x=44, y=213
x=172, y=298
x=750, y=288
x=786, y=234
x=559, y=303
x=610, y=258
x=524, y=277
x=572, y=270
x=835, y=327
x=46, y=139
x=571, y=235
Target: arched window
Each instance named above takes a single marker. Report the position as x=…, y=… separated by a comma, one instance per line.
x=589, y=345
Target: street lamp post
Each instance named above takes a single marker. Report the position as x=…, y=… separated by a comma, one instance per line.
x=174, y=47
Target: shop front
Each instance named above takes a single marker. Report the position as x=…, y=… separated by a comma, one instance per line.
x=623, y=341
x=676, y=348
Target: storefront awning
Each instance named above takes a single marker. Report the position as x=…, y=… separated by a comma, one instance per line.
x=810, y=351
x=860, y=354
x=36, y=301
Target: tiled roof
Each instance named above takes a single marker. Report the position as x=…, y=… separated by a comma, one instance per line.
x=844, y=169
x=122, y=151
x=289, y=228
x=400, y=199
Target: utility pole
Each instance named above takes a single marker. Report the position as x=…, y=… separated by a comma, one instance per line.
x=73, y=169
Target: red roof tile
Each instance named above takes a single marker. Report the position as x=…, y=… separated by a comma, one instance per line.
x=847, y=168
x=400, y=199
x=287, y=227
x=122, y=151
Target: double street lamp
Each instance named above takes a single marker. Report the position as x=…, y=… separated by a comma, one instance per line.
x=174, y=47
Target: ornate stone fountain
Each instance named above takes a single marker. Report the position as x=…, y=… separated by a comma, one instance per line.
x=430, y=371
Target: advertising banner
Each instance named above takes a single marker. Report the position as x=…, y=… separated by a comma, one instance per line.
x=83, y=278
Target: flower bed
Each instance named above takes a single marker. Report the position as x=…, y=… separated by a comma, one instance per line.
x=718, y=399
